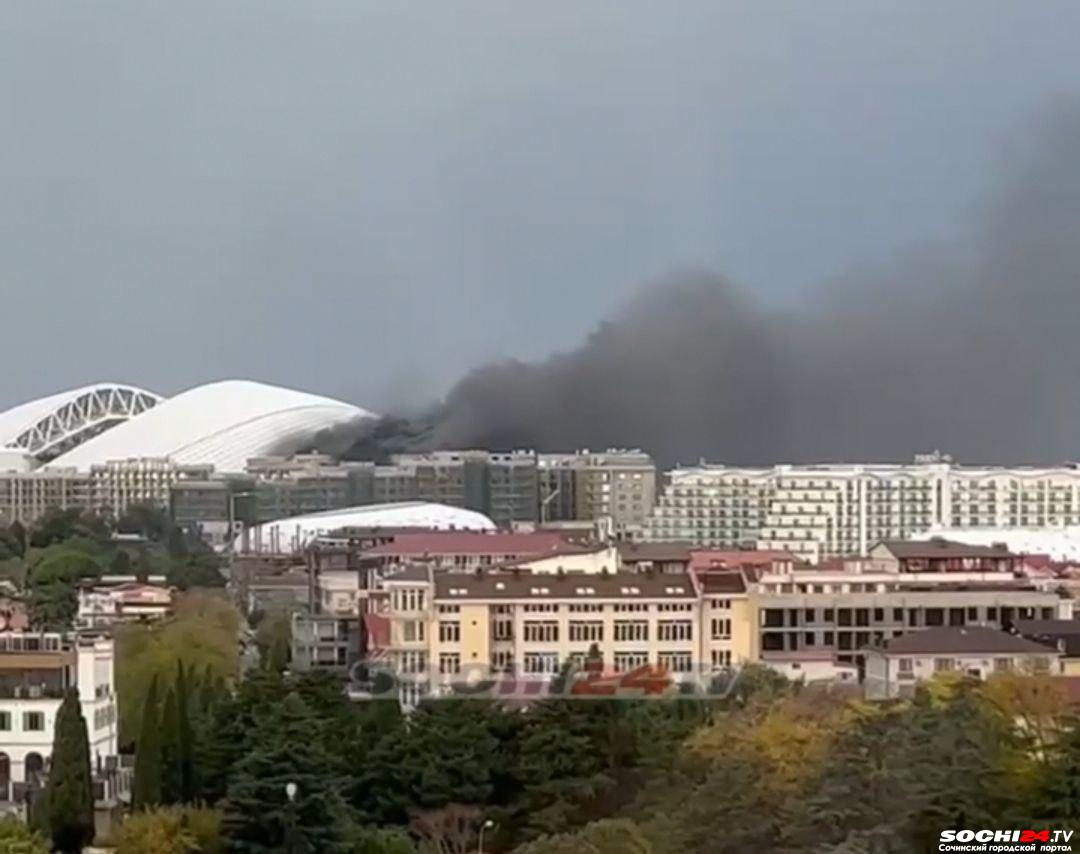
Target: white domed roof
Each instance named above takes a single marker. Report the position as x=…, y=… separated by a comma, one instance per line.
x=223, y=423
x=292, y=534
x=48, y=426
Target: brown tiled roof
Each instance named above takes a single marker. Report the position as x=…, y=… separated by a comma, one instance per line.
x=1047, y=627
x=618, y=585
x=939, y=548
x=713, y=583
x=970, y=639
x=735, y=558
x=673, y=551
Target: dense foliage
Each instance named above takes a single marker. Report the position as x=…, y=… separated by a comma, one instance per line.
x=770, y=767
x=67, y=547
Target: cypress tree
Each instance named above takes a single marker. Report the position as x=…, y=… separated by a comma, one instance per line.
x=146, y=791
x=185, y=771
x=69, y=794
x=170, y=750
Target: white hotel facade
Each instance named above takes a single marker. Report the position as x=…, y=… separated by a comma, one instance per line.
x=822, y=511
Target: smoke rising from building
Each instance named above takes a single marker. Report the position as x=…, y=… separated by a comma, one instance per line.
x=968, y=348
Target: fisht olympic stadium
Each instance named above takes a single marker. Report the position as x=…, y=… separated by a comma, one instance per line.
x=221, y=423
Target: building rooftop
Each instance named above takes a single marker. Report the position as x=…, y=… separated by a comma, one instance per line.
x=938, y=548
x=713, y=583
x=1047, y=627
x=536, y=544
x=618, y=585
x=969, y=639
x=669, y=551
x=707, y=559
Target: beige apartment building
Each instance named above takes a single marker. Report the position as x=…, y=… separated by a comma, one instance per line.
x=822, y=511
x=26, y=495
x=804, y=622
x=449, y=627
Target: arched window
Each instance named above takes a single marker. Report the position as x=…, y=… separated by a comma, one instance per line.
x=35, y=768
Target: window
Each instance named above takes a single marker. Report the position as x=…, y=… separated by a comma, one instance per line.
x=413, y=630
x=449, y=609
x=545, y=631
x=449, y=662
x=409, y=600
x=412, y=662
x=944, y=665
x=905, y=665
x=721, y=658
x=33, y=722
x=502, y=660
x=541, y=662
x=1002, y=665
x=629, y=660
x=5, y=721
x=991, y=614
x=830, y=615
x=675, y=630
x=810, y=615
x=502, y=630
x=586, y=631
x=449, y=632
x=973, y=613
x=631, y=630
x=898, y=615
x=675, y=662
x=721, y=604
x=721, y=629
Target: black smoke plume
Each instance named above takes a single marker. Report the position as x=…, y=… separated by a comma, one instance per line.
x=970, y=348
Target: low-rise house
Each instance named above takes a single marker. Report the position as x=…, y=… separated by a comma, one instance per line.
x=100, y=607
x=895, y=666
x=1063, y=635
x=941, y=555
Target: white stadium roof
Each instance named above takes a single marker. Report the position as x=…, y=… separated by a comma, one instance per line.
x=223, y=423
x=1062, y=544
x=292, y=534
x=48, y=426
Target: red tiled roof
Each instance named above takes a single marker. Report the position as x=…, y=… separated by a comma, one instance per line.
x=706, y=559
x=471, y=543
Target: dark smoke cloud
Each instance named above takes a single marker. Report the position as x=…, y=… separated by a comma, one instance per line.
x=969, y=348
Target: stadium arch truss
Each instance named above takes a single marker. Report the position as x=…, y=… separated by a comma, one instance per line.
x=89, y=413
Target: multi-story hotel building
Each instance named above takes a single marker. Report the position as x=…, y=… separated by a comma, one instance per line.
x=448, y=627
x=813, y=622
x=823, y=511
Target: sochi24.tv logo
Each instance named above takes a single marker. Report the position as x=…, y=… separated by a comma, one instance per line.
x=1005, y=840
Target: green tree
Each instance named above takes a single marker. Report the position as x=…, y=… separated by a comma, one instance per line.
x=260, y=814
x=273, y=639
x=171, y=830
x=68, y=791
x=53, y=584
x=171, y=750
x=185, y=770
x=202, y=632
x=18, y=838
x=1059, y=797
x=608, y=836
x=146, y=791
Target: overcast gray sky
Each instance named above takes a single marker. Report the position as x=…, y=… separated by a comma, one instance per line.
x=366, y=199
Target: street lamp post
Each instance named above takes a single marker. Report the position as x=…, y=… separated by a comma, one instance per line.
x=487, y=825
x=290, y=826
